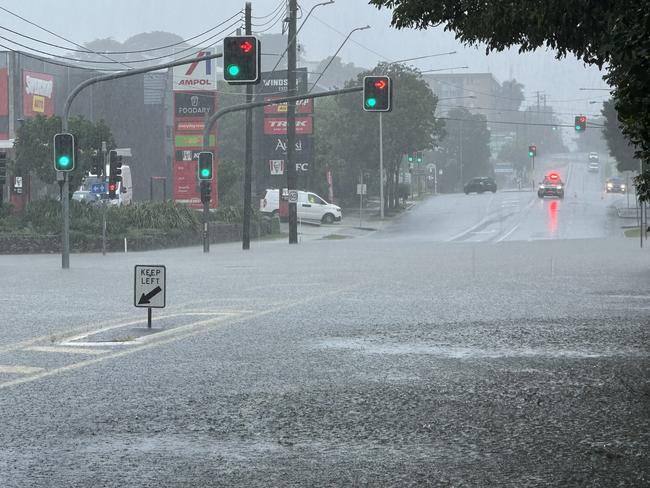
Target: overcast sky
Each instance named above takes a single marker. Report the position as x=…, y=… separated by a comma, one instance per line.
x=83, y=20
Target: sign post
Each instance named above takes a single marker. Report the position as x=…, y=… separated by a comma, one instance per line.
x=149, y=288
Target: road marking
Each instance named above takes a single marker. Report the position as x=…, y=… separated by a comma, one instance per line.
x=67, y=350
x=63, y=333
x=170, y=336
x=20, y=369
x=516, y=226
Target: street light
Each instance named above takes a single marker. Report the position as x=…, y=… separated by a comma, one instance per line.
x=337, y=51
x=298, y=31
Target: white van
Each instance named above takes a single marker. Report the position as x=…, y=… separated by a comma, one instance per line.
x=124, y=191
x=310, y=206
x=124, y=188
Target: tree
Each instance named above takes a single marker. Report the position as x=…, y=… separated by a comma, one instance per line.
x=34, y=152
x=352, y=135
x=337, y=73
x=619, y=147
x=610, y=33
x=464, y=152
x=510, y=95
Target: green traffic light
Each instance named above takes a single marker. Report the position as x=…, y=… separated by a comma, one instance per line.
x=64, y=161
x=233, y=70
x=205, y=173
x=371, y=102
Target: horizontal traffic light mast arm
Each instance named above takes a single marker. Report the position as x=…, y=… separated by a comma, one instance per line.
x=123, y=74
x=244, y=106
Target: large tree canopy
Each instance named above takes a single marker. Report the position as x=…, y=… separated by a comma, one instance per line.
x=610, y=33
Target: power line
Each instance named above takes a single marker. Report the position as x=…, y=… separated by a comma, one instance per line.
x=275, y=22
x=191, y=48
x=513, y=123
x=496, y=109
x=274, y=18
x=136, y=51
x=60, y=37
x=281, y=4
x=352, y=40
x=86, y=68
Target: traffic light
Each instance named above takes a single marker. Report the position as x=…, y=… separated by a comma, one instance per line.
x=532, y=151
x=377, y=94
x=418, y=157
x=242, y=59
x=112, y=189
x=205, y=165
x=410, y=157
x=206, y=188
x=64, y=151
x=97, y=165
x=580, y=123
x=3, y=169
x=114, y=166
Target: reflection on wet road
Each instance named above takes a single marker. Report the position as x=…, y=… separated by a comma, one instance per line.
x=587, y=211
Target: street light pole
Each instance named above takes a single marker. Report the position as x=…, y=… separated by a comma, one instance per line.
x=335, y=54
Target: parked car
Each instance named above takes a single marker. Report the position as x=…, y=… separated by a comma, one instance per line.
x=310, y=206
x=593, y=156
x=551, y=186
x=615, y=185
x=480, y=184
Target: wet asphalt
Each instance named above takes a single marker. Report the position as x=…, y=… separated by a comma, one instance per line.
x=378, y=360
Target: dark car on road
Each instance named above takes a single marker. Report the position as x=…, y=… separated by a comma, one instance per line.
x=480, y=185
x=551, y=186
x=615, y=185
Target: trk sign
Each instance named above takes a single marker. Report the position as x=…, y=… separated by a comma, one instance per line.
x=198, y=76
x=278, y=126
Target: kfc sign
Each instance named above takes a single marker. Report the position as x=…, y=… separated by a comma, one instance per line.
x=278, y=126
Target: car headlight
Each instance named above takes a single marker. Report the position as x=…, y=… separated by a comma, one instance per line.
x=559, y=187
x=622, y=187
x=541, y=187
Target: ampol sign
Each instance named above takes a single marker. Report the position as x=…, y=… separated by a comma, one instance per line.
x=199, y=75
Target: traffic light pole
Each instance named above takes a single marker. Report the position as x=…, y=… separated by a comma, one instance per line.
x=291, y=122
x=206, y=216
x=381, y=165
x=65, y=235
x=248, y=169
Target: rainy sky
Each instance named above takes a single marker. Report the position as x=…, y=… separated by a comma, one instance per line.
x=82, y=21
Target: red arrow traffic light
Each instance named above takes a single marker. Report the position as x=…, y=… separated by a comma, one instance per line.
x=246, y=46
x=380, y=84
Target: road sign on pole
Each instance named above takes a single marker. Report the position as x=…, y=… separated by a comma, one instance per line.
x=149, y=286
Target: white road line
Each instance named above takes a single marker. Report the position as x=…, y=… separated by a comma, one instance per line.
x=510, y=232
x=67, y=350
x=20, y=369
x=198, y=328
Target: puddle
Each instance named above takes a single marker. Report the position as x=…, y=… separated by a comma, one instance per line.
x=460, y=352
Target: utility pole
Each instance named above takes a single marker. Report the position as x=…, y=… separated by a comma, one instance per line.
x=248, y=170
x=291, y=121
